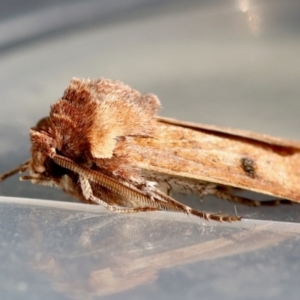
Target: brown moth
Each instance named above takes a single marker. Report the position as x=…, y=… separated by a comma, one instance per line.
x=104, y=144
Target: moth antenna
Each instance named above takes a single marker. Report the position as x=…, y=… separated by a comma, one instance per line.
x=128, y=191
x=20, y=169
x=102, y=179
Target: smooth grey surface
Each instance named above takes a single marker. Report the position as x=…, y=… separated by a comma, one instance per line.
x=56, y=250
x=226, y=63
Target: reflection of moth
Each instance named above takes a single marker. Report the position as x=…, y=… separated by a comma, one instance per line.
x=103, y=144
x=84, y=255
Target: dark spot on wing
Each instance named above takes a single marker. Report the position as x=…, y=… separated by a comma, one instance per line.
x=248, y=165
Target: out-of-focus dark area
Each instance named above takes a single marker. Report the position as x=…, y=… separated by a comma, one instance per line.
x=26, y=21
x=227, y=63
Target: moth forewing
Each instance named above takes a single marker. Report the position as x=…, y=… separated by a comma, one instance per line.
x=225, y=159
x=104, y=144
x=237, y=134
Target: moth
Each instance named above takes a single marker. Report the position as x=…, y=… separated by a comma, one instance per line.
x=104, y=144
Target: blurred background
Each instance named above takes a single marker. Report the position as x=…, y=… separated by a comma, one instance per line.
x=229, y=63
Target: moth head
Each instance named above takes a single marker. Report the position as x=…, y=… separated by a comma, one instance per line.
x=43, y=144
x=88, y=121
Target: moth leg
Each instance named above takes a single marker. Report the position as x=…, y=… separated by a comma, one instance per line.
x=224, y=193
x=215, y=217
x=85, y=187
x=160, y=201
x=20, y=169
x=164, y=186
x=88, y=195
x=172, y=205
